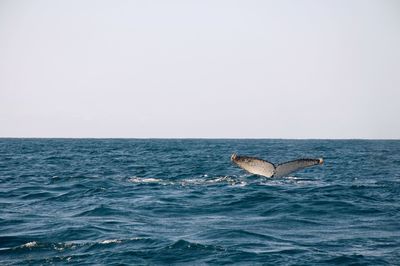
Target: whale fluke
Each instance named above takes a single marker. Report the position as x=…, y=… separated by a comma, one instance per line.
x=287, y=168
x=254, y=165
x=264, y=168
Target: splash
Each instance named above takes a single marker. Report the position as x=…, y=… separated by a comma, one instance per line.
x=202, y=180
x=144, y=180
x=30, y=244
x=110, y=241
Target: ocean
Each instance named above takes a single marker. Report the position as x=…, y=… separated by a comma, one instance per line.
x=182, y=202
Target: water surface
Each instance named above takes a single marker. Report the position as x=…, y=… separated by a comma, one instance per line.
x=111, y=201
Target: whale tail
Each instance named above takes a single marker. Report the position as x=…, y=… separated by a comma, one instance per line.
x=264, y=168
x=284, y=169
x=254, y=165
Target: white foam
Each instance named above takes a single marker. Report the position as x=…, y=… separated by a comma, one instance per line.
x=136, y=238
x=220, y=179
x=109, y=241
x=59, y=248
x=136, y=179
x=240, y=184
x=203, y=180
x=30, y=244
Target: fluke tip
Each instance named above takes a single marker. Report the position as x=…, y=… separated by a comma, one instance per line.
x=233, y=157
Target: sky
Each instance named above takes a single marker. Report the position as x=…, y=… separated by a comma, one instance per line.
x=200, y=69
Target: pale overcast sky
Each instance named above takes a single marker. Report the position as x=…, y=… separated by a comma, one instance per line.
x=219, y=69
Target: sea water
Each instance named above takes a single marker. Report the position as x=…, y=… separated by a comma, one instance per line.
x=173, y=201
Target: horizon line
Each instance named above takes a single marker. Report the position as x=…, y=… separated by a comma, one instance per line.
x=200, y=138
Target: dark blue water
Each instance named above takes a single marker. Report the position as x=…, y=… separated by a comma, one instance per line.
x=151, y=202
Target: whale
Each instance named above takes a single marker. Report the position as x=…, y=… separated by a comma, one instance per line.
x=265, y=168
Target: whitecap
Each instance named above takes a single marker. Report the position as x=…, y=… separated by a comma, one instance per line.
x=202, y=180
x=211, y=181
x=292, y=177
x=109, y=241
x=240, y=184
x=30, y=244
x=141, y=180
x=136, y=238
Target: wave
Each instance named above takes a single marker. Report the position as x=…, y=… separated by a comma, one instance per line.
x=101, y=211
x=182, y=244
x=72, y=245
x=145, y=250
x=228, y=180
x=202, y=180
x=143, y=180
x=30, y=244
